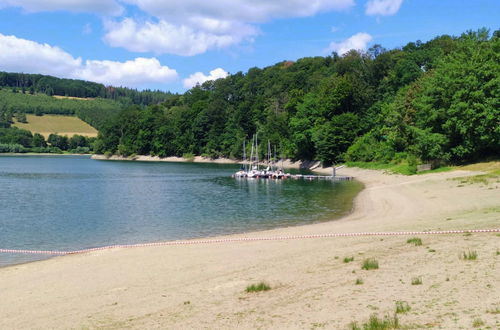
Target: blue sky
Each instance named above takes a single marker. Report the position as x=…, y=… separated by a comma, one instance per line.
x=172, y=45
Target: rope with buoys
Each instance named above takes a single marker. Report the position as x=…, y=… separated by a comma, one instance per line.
x=252, y=239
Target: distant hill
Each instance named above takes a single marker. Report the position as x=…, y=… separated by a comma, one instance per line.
x=49, y=85
x=95, y=112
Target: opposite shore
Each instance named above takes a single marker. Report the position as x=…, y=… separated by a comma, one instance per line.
x=203, y=286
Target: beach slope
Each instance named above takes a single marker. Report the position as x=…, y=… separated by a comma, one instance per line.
x=203, y=286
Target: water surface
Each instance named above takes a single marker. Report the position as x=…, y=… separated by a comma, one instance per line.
x=73, y=202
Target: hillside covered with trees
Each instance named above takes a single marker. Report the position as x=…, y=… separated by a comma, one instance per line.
x=437, y=101
x=37, y=83
x=22, y=94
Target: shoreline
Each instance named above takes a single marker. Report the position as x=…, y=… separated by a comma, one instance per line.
x=84, y=288
x=287, y=163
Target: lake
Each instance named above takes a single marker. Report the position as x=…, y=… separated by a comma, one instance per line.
x=74, y=202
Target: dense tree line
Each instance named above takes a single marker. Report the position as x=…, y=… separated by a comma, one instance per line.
x=37, y=83
x=435, y=101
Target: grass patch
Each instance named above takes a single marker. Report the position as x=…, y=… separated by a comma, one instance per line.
x=477, y=323
x=494, y=310
x=359, y=281
x=469, y=255
x=432, y=250
x=402, y=307
x=62, y=125
x=348, y=259
x=401, y=168
x=492, y=174
x=416, y=280
x=437, y=170
x=370, y=264
x=415, y=241
x=376, y=323
x=262, y=286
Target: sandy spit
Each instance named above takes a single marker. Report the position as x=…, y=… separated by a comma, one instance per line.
x=203, y=286
x=288, y=163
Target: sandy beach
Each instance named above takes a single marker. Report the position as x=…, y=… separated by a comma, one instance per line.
x=203, y=286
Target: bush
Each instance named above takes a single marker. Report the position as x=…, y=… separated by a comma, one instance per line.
x=15, y=148
x=370, y=264
x=262, y=286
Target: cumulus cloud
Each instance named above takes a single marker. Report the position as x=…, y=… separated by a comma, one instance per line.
x=191, y=27
x=164, y=37
x=104, y=7
x=238, y=10
x=137, y=72
x=200, y=77
x=383, y=7
x=359, y=41
x=21, y=55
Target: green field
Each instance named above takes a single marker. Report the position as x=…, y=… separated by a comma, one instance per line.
x=62, y=125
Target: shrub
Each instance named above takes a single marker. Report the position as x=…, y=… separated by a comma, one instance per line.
x=262, y=286
x=402, y=307
x=469, y=255
x=370, y=264
x=415, y=241
x=348, y=259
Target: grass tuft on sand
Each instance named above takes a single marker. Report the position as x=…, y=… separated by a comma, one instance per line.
x=370, y=263
x=402, y=307
x=469, y=255
x=415, y=241
x=262, y=286
x=376, y=323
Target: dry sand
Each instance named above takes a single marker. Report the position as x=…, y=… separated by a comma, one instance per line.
x=203, y=286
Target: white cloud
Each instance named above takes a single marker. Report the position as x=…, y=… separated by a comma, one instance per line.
x=133, y=73
x=104, y=7
x=183, y=40
x=200, y=77
x=237, y=10
x=21, y=55
x=359, y=41
x=186, y=27
x=383, y=7
x=191, y=27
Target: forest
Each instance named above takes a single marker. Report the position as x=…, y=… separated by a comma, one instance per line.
x=435, y=102
x=37, y=84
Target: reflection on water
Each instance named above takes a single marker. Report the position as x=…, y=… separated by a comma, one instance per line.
x=68, y=203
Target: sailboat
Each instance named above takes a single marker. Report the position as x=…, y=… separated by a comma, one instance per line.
x=251, y=168
x=253, y=171
x=243, y=172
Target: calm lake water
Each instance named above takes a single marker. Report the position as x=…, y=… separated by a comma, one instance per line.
x=73, y=202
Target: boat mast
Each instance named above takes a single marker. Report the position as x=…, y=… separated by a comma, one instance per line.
x=269, y=155
x=257, y=151
x=244, y=157
x=251, y=154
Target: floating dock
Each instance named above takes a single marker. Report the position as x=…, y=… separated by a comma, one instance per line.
x=321, y=177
